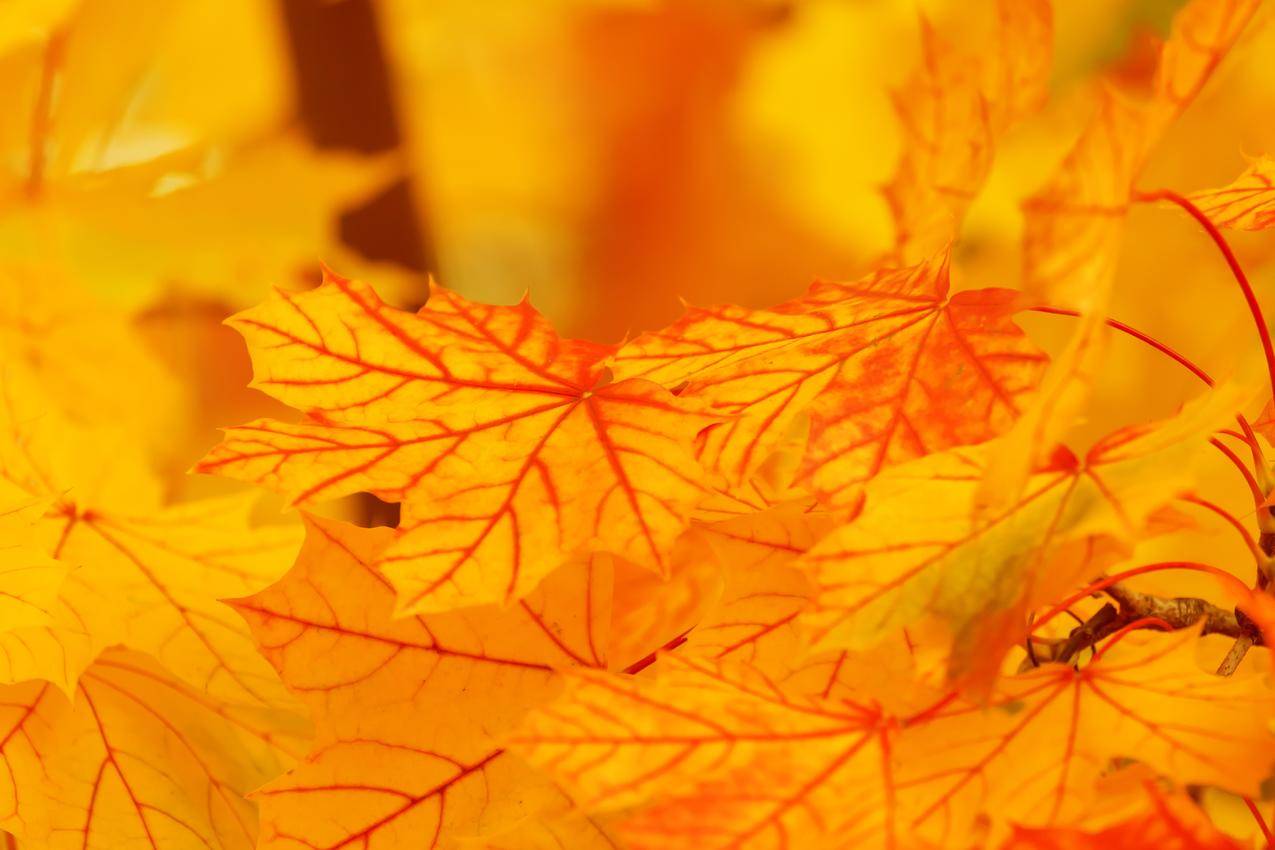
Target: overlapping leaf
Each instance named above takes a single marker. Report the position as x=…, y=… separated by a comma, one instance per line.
x=709, y=755
x=890, y=368
x=1075, y=223
x=1246, y=204
x=408, y=709
x=762, y=593
x=951, y=111
x=137, y=759
x=706, y=755
x=142, y=574
x=922, y=553
x=1033, y=757
x=507, y=446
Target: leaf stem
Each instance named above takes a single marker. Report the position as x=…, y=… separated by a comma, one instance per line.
x=1231, y=520
x=1261, y=822
x=1253, y=486
x=1254, y=307
x=1247, y=436
x=1141, y=336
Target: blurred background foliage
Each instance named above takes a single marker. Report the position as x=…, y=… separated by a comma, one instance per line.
x=164, y=162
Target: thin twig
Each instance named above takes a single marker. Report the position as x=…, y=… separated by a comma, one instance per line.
x=1233, y=658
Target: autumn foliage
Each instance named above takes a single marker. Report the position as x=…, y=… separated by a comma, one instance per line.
x=847, y=571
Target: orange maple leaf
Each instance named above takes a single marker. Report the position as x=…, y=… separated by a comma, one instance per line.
x=754, y=617
x=1173, y=823
x=508, y=447
x=717, y=755
x=890, y=367
x=1075, y=223
x=951, y=111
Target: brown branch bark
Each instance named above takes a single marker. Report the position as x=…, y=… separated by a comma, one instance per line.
x=1179, y=612
x=1233, y=658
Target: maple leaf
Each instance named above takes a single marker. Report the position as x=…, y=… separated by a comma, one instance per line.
x=1032, y=757
x=1074, y=224
x=921, y=551
x=506, y=445
x=748, y=582
x=1248, y=203
x=139, y=759
x=714, y=755
x=407, y=709
x=731, y=593
x=890, y=368
x=754, y=617
x=951, y=111
x=145, y=574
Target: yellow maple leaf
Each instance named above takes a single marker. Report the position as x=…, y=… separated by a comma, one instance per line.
x=137, y=758
x=408, y=710
x=85, y=356
x=29, y=579
x=136, y=153
x=1032, y=757
x=142, y=573
x=921, y=552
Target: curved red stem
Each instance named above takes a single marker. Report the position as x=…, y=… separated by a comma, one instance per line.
x=1249, y=438
x=1254, y=307
x=1258, y=496
x=1141, y=336
x=1261, y=822
x=1231, y=519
